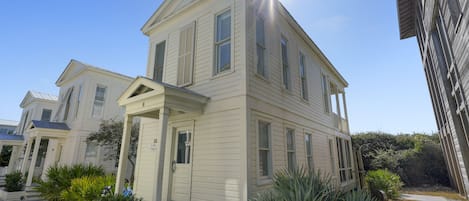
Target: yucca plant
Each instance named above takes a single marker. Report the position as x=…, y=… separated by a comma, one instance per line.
x=307, y=185
x=359, y=195
x=59, y=178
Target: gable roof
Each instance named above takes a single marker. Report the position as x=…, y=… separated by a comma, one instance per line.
x=40, y=96
x=76, y=67
x=167, y=9
x=143, y=85
x=300, y=31
x=49, y=125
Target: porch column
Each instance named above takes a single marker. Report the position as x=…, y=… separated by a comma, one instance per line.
x=13, y=159
x=123, y=159
x=32, y=166
x=163, y=118
x=26, y=156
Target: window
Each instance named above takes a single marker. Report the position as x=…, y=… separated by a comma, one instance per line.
x=159, y=61
x=91, y=150
x=265, y=158
x=183, y=148
x=304, y=82
x=325, y=95
x=98, y=106
x=46, y=114
x=291, y=158
x=223, y=42
x=68, y=102
x=186, y=55
x=260, y=46
x=345, y=160
x=25, y=121
x=285, y=67
x=309, y=150
x=331, y=154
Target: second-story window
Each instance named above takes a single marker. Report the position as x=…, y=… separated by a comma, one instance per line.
x=46, y=115
x=325, y=94
x=223, y=42
x=98, y=105
x=159, y=61
x=68, y=102
x=186, y=55
x=304, y=82
x=260, y=46
x=285, y=66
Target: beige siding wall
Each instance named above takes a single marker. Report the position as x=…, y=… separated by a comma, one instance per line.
x=268, y=100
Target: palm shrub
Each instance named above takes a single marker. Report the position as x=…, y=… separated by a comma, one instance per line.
x=59, y=178
x=87, y=188
x=14, y=182
x=384, y=180
x=306, y=185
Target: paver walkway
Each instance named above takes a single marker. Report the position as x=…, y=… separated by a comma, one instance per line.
x=423, y=197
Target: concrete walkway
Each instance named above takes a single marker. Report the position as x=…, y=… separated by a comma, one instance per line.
x=423, y=197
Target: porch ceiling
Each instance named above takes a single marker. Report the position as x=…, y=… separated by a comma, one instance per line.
x=406, y=14
x=145, y=97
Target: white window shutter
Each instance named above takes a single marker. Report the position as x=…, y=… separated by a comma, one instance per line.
x=186, y=55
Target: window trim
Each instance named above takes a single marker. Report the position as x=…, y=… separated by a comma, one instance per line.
x=216, y=43
x=326, y=93
x=264, y=180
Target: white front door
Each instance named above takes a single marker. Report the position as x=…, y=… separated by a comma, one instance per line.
x=181, y=165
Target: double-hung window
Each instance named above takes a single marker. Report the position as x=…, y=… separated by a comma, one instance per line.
x=98, y=105
x=260, y=46
x=304, y=81
x=159, y=61
x=223, y=42
x=265, y=156
x=68, y=102
x=285, y=66
x=291, y=156
x=186, y=55
x=309, y=150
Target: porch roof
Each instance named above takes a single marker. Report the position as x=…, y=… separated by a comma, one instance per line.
x=49, y=125
x=6, y=139
x=145, y=96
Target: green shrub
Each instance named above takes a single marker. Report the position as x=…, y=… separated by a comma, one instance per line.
x=306, y=185
x=87, y=188
x=384, y=180
x=14, y=182
x=59, y=178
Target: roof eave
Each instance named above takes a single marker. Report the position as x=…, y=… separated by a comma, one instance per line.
x=406, y=18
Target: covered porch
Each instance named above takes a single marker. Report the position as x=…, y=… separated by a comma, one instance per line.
x=16, y=142
x=37, y=131
x=150, y=99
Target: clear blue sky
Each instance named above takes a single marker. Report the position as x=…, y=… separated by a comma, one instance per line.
x=387, y=89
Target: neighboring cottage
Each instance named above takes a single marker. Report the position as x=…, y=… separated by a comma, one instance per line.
x=87, y=97
x=234, y=91
x=441, y=29
x=7, y=126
